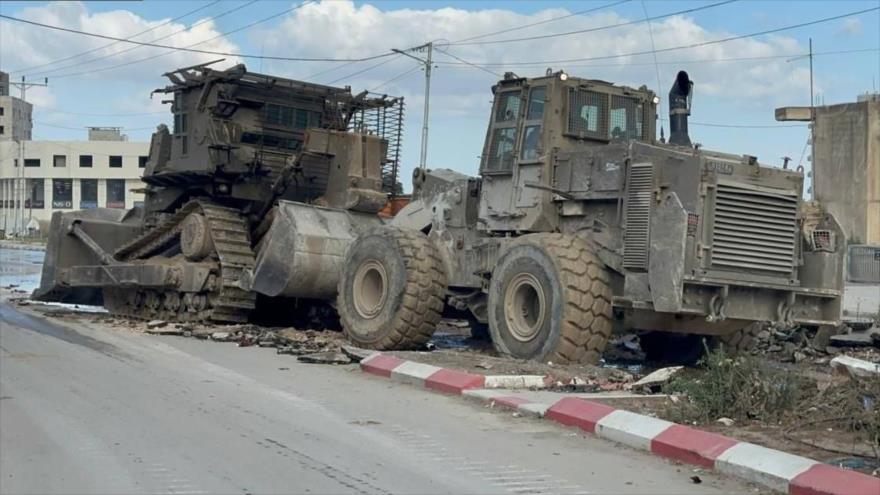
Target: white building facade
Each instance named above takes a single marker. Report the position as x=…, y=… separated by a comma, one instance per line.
x=38, y=178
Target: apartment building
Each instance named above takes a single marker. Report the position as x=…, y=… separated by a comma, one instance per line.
x=49, y=176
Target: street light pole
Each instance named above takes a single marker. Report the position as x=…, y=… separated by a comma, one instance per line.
x=20, y=186
x=428, y=63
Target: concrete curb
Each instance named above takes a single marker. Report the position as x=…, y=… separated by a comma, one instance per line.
x=774, y=469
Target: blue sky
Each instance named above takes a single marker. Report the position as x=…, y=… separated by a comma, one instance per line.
x=742, y=92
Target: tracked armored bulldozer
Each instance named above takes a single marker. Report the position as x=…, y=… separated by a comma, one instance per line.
x=582, y=221
x=258, y=189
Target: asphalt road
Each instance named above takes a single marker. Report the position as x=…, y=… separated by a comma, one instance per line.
x=90, y=409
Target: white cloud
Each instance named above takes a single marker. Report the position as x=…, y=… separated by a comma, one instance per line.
x=365, y=30
x=850, y=27
x=25, y=46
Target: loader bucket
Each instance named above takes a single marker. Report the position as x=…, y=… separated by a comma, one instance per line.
x=109, y=227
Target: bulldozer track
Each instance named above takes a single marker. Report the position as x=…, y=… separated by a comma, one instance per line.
x=224, y=301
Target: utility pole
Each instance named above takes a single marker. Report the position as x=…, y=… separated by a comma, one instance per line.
x=427, y=61
x=20, y=186
x=812, y=127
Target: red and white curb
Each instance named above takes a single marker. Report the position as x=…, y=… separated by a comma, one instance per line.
x=774, y=469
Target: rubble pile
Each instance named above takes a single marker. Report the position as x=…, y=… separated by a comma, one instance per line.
x=817, y=345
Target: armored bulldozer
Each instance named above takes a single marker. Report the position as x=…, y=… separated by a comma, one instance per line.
x=257, y=189
x=582, y=222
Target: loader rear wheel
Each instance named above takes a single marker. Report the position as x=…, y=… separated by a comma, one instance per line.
x=392, y=289
x=550, y=300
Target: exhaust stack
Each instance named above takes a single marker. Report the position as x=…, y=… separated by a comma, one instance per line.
x=679, y=109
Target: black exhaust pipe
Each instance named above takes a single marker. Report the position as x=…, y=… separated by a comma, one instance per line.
x=680, y=109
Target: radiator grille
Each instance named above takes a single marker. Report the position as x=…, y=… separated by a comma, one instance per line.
x=754, y=229
x=640, y=184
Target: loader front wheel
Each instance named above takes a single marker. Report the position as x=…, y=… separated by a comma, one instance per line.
x=550, y=300
x=391, y=292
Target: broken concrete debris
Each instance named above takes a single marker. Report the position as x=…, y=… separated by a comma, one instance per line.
x=156, y=324
x=856, y=368
x=653, y=381
x=725, y=421
x=328, y=357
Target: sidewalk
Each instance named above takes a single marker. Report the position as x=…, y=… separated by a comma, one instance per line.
x=771, y=468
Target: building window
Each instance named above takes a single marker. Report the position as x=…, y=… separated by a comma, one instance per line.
x=88, y=193
x=2, y=111
x=59, y=161
x=142, y=161
x=115, y=193
x=115, y=161
x=2, y=130
x=35, y=194
x=85, y=161
x=179, y=124
x=62, y=193
x=31, y=162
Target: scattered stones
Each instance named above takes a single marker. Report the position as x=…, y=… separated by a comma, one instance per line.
x=329, y=357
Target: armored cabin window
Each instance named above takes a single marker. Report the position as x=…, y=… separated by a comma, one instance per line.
x=531, y=134
x=627, y=118
x=180, y=123
x=587, y=114
x=508, y=107
x=502, y=144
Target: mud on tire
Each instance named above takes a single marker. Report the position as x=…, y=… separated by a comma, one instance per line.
x=392, y=289
x=550, y=300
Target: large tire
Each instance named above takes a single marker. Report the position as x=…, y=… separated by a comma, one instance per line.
x=550, y=300
x=392, y=289
x=741, y=341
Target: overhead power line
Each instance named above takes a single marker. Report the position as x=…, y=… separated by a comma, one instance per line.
x=689, y=46
x=599, y=28
x=397, y=77
x=791, y=56
x=476, y=66
x=89, y=114
x=348, y=76
x=195, y=50
x=79, y=65
x=546, y=21
x=203, y=7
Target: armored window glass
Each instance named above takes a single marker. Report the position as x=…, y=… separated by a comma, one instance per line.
x=279, y=115
x=537, y=97
x=180, y=123
x=115, y=161
x=85, y=161
x=35, y=194
x=531, y=142
x=508, y=106
x=62, y=193
x=627, y=115
x=88, y=193
x=270, y=141
x=59, y=161
x=302, y=119
x=587, y=113
x=115, y=193
x=502, y=150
